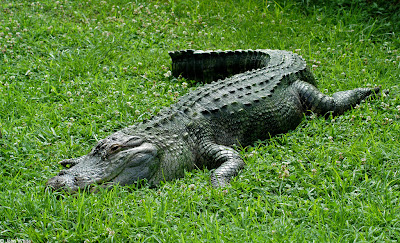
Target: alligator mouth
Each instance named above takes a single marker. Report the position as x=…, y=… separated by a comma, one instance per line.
x=57, y=184
x=72, y=184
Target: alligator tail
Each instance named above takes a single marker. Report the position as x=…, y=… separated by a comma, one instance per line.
x=207, y=66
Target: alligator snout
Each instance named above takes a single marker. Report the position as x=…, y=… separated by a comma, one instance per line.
x=62, y=181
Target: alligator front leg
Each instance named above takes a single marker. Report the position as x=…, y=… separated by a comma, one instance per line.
x=312, y=99
x=227, y=161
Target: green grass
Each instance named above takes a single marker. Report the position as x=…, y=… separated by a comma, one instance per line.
x=72, y=72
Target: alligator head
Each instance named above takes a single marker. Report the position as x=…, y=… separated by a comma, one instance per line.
x=118, y=159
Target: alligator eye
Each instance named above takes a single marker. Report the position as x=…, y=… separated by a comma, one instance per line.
x=114, y=148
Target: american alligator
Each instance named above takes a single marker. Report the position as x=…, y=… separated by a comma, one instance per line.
x=260, y=93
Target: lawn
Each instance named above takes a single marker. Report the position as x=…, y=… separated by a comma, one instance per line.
x=73, y=72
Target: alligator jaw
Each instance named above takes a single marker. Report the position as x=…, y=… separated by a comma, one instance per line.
x=80, y=176
x=124, y=167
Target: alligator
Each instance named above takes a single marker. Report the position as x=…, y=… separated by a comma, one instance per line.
x=258, y=94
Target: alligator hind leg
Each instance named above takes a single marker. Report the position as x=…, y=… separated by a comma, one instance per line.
x=312, y=99
x=228, y=161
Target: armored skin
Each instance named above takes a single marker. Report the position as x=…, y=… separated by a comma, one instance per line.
x=260, y=93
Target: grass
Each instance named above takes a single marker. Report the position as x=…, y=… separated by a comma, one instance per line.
x=72, y=72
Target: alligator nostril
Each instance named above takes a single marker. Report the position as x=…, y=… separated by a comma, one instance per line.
x=54, y=183
x=58, y=183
